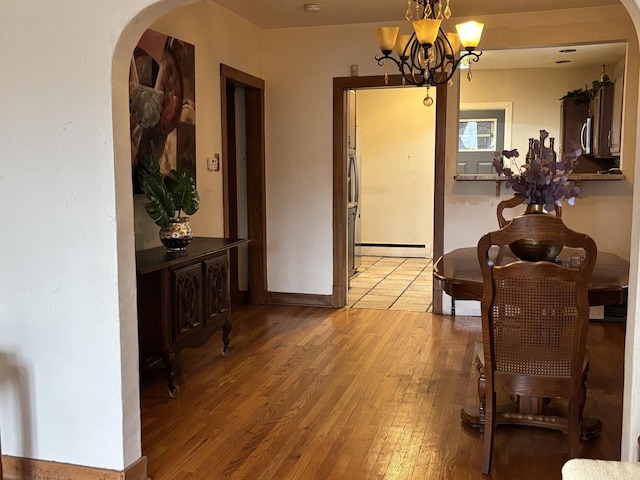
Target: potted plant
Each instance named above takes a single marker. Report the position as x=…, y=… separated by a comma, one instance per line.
x=168, y=197
x=541, y=183
x=585, y=95
x=542, y=180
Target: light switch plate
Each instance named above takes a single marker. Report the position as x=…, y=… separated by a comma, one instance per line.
x=213, y=163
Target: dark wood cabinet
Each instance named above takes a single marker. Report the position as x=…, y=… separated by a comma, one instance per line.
x=182, y=300
x=572, y=118
x=590, y=125
x=601, y=110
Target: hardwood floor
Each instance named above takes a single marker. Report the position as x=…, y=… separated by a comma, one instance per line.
x=317, y=393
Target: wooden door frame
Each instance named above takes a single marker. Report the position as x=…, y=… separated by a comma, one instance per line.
x=256, y=185
x=340, y=87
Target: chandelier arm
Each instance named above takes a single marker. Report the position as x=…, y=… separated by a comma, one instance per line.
x=388, y=56
x=417, y=70
x=409, y=73
x=439, y=53
x=472, y=56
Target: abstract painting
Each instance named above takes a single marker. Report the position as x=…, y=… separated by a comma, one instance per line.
x=162, y=102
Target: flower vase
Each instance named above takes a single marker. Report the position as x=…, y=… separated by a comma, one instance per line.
x=535, y=250
x=177, y=235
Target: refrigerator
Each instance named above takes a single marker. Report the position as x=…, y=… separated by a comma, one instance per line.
x=353, y=190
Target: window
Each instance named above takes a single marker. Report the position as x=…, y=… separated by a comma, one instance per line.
x=477, y=134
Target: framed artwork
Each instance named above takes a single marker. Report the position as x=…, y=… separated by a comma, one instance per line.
x=162, y=102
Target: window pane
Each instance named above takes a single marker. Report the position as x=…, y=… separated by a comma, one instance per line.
x=477, y=134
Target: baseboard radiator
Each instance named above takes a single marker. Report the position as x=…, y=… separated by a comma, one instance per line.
x=394, y=250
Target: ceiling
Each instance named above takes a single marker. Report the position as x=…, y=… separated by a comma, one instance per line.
x=584, y=55
x=271, y=14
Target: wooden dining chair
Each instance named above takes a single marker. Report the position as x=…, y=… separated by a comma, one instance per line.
x=514, y=202
x=534, y=325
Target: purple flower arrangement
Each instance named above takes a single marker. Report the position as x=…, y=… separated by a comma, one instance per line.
x=542, y=180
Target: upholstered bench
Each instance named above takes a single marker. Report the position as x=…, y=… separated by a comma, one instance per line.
x=583, y=469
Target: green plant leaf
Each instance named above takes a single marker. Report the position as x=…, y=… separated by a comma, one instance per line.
x=147, y=167
x=182, y=187
x=160, y=206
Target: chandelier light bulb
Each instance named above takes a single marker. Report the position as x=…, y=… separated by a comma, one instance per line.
x=386, y=37
x=427, y=30
x=470, y=33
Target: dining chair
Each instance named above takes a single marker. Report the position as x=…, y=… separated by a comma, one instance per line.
x=514, y=202
x=534, y=326
x=502, y=222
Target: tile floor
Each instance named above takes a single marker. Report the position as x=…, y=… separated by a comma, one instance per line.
x=392, y=283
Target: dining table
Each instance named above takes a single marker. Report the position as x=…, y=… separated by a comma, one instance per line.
x=459, y=274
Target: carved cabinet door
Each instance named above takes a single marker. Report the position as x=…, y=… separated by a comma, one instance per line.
x=187, y=301
x=216, y=287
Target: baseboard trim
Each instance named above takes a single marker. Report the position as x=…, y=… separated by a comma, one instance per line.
x=411, y=251
x=19, y=468
x=305, y=299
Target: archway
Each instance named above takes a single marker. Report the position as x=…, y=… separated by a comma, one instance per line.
x=131, y=33
x=630, y=412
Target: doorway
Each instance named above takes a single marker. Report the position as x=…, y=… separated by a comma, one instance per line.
x=394, y=198
x=341, y=86
x=243, y=170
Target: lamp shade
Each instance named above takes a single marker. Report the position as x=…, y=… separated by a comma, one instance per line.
x=426, y=30
x=470, y=33
x=401, y=45
x=386, y=37
x=454, y=40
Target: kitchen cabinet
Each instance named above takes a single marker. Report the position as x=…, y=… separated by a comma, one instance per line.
x=601, y=110
x=572, y=119
x=182, y=300
x=616, y=121
x=589, y=124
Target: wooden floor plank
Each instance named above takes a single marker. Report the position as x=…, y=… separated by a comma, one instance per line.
x=316, y=393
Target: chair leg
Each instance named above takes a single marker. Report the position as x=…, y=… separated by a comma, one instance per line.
x=489, y=432
x=573, y=428
x=482, y=389
x=575, y=416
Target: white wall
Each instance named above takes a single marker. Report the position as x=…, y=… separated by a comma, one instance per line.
x=631, y=410
x=66, y=371
x=299, y=148
x=396, y=135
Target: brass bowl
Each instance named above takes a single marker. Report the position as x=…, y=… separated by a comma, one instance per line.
x=536, y=250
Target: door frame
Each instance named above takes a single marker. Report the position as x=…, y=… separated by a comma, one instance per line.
x=256, y=184
x=341, y=85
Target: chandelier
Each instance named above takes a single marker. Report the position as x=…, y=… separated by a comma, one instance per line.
x=429, y=56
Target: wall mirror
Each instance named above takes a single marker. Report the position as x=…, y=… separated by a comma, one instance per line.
x=516, y=93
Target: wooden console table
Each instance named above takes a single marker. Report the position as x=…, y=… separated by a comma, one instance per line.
x=182, y=300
